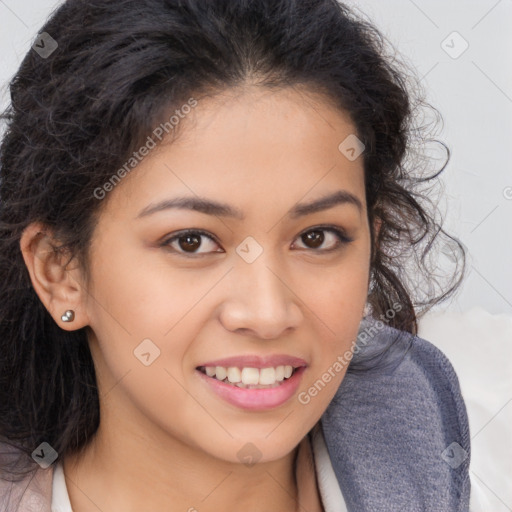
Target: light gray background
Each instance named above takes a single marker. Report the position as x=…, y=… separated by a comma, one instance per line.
x=473, y=92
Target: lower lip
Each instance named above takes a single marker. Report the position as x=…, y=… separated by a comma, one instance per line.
x=255, y=399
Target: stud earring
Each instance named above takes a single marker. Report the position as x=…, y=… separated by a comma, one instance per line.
x=68, y=316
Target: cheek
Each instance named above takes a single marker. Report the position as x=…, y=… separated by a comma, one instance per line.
x=135, y=301
x=143, y=321
x=337, y=296
x=336, y=300
x=144, y=296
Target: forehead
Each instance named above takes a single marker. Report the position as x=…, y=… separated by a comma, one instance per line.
x=251, y=147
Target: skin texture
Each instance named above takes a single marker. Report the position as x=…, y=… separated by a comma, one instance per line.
x=166, y=441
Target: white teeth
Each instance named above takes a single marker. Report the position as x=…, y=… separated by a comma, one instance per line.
x=234, y=375
x=250, y=376
x=220, y=372
x=265, y=377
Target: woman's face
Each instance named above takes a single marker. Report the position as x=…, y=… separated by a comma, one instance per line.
x=263, y=282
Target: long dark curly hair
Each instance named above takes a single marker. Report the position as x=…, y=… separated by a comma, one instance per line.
x=77, y=114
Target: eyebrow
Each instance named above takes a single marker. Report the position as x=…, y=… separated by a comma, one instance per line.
x=210, y=207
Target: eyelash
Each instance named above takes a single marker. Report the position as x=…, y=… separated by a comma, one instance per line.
x=343, y=240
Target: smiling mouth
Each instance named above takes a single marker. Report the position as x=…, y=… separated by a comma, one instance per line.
x=248, y=377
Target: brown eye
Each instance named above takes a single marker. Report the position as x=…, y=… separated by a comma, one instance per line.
x=324, y=239
x=192, y=242
x=313, y=239
x=189, y=243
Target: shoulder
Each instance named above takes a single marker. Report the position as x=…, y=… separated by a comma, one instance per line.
x=397, y=431
x=31, y=492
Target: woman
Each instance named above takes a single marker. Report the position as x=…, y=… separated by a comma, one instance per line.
x=209, y=247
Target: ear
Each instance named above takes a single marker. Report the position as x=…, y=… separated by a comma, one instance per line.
x=58, y=286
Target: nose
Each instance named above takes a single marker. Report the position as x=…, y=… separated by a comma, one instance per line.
x=260, y=302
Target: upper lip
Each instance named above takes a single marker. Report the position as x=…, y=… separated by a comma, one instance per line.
x=255, y=361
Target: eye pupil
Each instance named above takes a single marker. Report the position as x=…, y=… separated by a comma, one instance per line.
x=191, y=242
x=313, y=238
